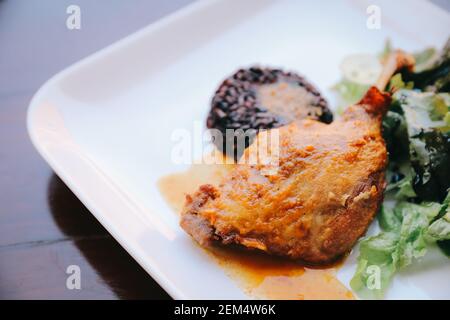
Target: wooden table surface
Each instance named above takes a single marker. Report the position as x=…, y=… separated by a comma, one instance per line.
x=43, y=227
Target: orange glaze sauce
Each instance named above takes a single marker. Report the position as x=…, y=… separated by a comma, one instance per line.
x=261, y=276
x=175, y=187
x=267, y=277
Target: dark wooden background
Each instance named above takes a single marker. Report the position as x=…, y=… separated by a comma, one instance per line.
x=43, y=226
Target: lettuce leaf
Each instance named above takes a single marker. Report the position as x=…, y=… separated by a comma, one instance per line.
x=428, y=139
x=376, y=258
x=397, y=83
x=401, y=181
x=417, y=134
x=388, y=220
x=403, y=239
x=439, y=229
x=396, y=136
x=425, y=59
x=349, y=93
x=432, y=70
x=359, y=72
x=399, y=172
x=423, y=110
x=412, y=233
x=416, y=120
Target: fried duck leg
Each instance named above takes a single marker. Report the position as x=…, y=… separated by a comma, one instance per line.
x=328, y=187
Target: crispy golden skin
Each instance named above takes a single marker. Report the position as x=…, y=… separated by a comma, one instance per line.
x=326, y=192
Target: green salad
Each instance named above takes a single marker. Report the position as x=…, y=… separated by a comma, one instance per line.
x=417, y=133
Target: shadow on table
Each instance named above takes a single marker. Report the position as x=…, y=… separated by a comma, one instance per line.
x=113, y=264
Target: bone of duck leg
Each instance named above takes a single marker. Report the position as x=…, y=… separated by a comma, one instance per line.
x=395, y=61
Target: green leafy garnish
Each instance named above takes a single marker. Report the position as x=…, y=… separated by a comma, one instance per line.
x=425, y=59
x=404, y=187
x=429, y=141
x=397, y=83
x=349, y=93
x=439, y=229
x=403, y=239
x=432, y=72
x=416, y=130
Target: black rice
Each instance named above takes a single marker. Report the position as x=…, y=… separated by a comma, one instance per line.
x=238, y=103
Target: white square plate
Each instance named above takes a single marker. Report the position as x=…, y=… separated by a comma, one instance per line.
x=104, y=124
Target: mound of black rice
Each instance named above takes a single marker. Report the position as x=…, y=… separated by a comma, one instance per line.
x=262, y=98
